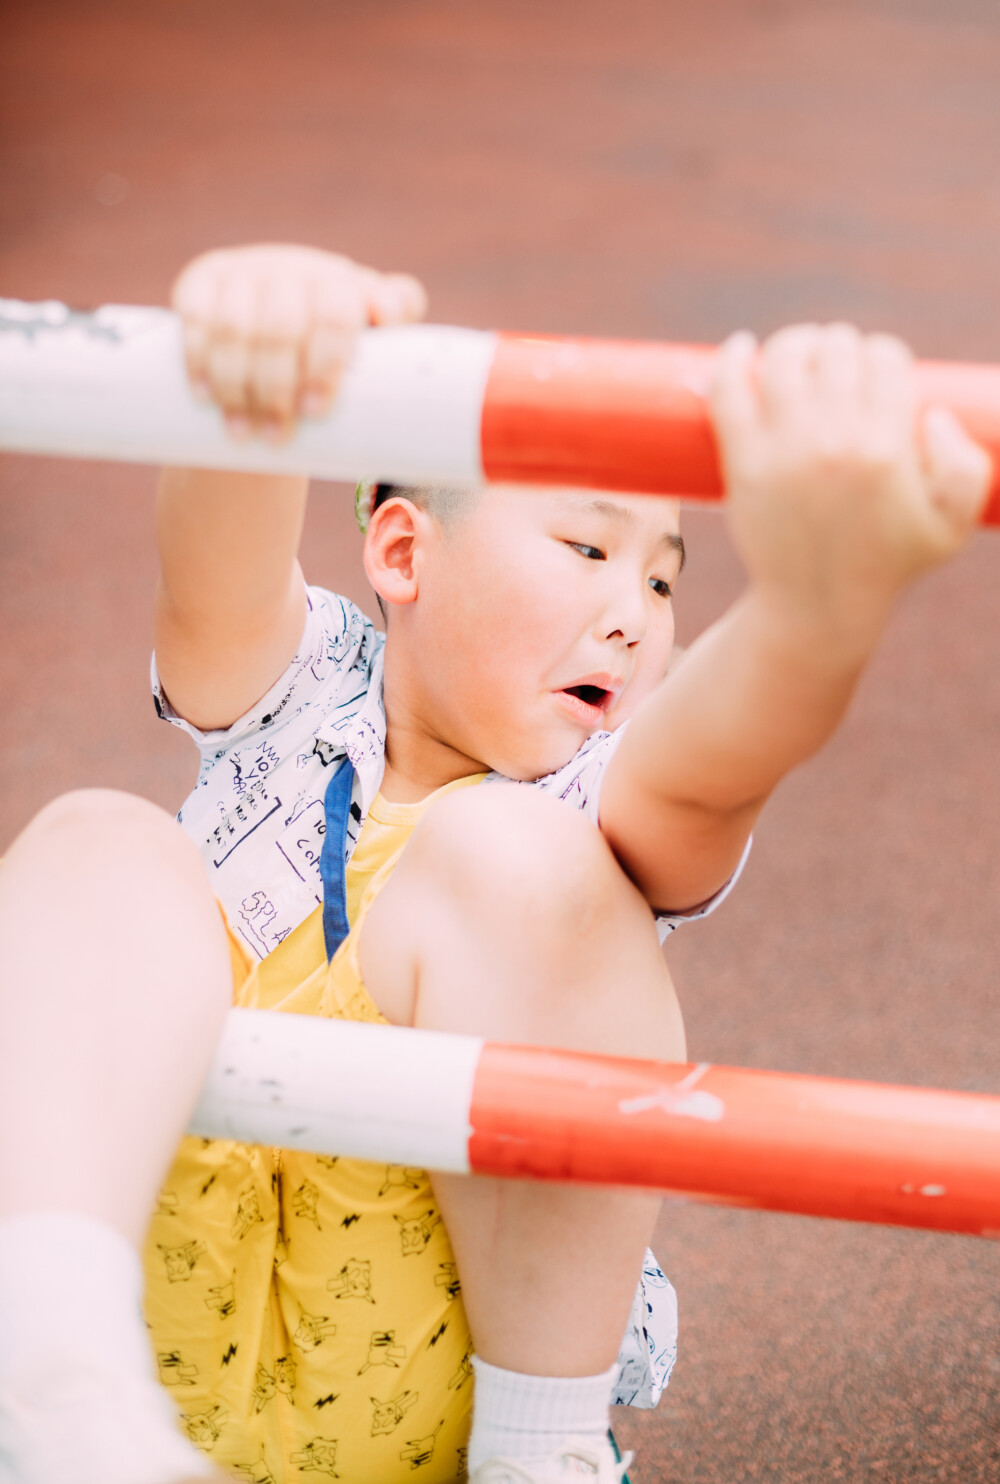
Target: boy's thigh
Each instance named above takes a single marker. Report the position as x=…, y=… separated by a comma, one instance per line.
x=509, y=916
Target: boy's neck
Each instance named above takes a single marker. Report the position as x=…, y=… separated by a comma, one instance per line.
x=418, y=759
x=407, y=785
x=417, y=764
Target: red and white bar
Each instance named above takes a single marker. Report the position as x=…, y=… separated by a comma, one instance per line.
x=861, y=1151
x=423, y=403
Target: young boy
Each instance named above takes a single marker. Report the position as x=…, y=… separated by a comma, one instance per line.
x=316, y=1315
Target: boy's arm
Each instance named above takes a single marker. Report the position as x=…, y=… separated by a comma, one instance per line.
x=834, y=507
x=267, y=332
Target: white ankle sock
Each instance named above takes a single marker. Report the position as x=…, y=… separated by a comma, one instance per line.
x=78, y=1396
x=527, y=1417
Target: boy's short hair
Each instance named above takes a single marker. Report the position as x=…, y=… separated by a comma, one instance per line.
x=444, y=502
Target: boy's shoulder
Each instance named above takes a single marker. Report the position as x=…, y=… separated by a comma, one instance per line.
x=257, y=810
x=333, y=668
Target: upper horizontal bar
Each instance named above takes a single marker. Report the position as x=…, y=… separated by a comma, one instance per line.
x=418, y=404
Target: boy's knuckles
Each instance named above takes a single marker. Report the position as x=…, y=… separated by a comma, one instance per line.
x=887, y=352
x=274, y=377
x=339, y=301
x=227, y=365
x=327, y=351
x=395, y=298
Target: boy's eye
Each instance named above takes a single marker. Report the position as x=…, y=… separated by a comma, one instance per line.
x=592, y=553
x=661, y=588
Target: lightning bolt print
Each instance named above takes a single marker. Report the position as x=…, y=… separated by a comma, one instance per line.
x=227, y=1357
x=437, y=1335
x=324, y=1401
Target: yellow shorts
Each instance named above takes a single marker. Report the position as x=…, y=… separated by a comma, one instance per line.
x=305, y=1311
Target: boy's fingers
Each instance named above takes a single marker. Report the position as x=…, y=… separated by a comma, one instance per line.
x=395, y=299
x=274, y=375
x=838, y=379
x=959, y=472
x=327, y=353
x=194, y=292
x=339, y=312
x=193, y=297
x=228, y=355
x=889, y=392
x=194, y=335
x=787, y=365
x=276, y=361
x=283, y=308
x=732, y=394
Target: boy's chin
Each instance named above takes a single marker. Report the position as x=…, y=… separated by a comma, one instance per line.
x=535, y=763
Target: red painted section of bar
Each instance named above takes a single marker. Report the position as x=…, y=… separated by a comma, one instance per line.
x=630, y=415
x=899, y=1156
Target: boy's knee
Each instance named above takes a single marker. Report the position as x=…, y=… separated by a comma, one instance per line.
x=90, y=811
x=515, y=850
x=97, y=820
x=527, y=929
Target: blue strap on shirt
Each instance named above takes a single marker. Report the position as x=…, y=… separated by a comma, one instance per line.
x=337, y=809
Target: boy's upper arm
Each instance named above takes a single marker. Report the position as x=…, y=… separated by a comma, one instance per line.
x=214, y=667
x=230, y=602
x=679, y=855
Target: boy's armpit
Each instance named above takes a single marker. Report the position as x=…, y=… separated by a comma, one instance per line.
x=682, y=858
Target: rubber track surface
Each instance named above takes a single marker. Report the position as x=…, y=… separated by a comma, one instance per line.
x=650, y=169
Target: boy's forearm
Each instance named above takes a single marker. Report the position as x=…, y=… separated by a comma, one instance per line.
x=755, y=696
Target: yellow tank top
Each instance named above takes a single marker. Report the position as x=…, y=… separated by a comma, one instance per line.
x=305, y=1310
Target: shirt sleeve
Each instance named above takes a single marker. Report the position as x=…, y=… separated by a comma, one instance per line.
x=327, y=679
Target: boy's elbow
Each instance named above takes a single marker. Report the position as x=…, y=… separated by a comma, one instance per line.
x=679, y=857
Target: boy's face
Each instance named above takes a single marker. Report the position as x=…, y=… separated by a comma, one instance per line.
x=541, y=616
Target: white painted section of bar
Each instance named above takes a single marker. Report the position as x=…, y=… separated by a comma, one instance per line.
x=111, y=385
x=373, y=1092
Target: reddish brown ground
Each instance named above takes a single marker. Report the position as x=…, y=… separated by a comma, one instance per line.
x=649, y=169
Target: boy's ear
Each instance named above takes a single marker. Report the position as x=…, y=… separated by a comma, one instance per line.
x=393, y=549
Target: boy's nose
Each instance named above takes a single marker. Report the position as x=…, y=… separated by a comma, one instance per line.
x=625, y=619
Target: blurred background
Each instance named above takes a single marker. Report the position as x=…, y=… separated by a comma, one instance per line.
x=649, y=169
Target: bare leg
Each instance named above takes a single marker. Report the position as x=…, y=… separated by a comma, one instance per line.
x=513, y=921
x=114, y=981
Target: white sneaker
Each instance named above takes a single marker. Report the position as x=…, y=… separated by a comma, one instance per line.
x=577, y=1458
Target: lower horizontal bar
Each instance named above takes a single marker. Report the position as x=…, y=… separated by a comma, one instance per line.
x=815, y=1146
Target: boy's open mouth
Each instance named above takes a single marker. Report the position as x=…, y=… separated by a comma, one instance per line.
x=588, y=702
x=594, y=695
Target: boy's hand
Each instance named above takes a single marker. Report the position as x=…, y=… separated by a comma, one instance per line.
x=838, y=493
x=269, y=329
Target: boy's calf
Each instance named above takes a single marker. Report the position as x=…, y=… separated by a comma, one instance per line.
x=508, y=916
